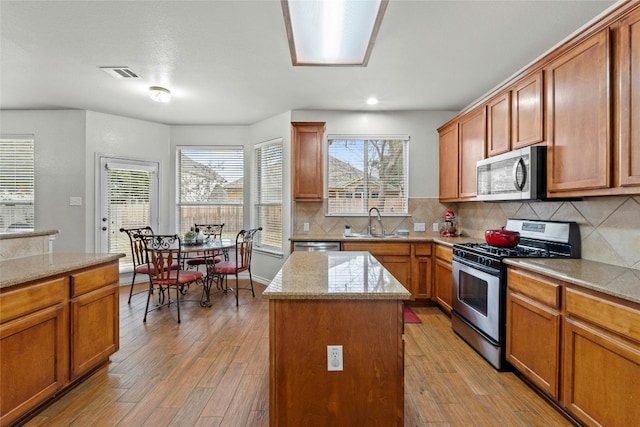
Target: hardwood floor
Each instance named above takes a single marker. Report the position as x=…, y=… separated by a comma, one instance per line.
x=212, y=370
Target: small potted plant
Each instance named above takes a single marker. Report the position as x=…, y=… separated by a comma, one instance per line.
x=190, y=237
x=347, y=229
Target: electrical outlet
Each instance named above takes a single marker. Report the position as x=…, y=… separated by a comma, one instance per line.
x=305, y=226
x=75, y=201
x=418, y=226
x=334, y=358
x=436, y=226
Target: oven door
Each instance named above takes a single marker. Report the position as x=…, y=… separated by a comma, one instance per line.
x=477, y=297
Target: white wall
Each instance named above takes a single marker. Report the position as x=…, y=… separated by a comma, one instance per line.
x=118, y=136
x=421, y=126
x=59, y=170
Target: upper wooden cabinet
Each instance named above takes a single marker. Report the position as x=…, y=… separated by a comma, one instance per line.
x=448, y=162
x=499, y=124
x=578, y=125
x=473, y=133
x=527, y=111
x=307, y=159
x=628, y=99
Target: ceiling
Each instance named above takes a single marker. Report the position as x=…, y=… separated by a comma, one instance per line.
x=228, y=63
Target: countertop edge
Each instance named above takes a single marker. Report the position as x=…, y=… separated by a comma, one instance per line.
x=23, y=234
x=336, y=296
x=37, y=267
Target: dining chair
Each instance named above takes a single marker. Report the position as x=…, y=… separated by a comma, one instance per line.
x=242, y=262
x=138, y=253
x=163, y=251
x=211, y=231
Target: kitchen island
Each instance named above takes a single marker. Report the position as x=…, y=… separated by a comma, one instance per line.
x=59, y=321
x=348, y=299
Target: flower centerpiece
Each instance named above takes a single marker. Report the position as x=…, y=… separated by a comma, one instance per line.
x=190, y=237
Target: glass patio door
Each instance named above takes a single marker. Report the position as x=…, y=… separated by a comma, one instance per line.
x=128, y=199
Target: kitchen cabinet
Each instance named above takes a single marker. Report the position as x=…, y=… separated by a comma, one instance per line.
x=448, y=162
x=34, y=346
x=601, y=360
x=443, y=286
x=410, y=263
x=527, y=111
x=94, y=317
x=422, y=270
x=53, y=332
x=307, y=160
x=499, y=124
x=628, y=99
x=533, y=328
x=578, y=118
x=473, y=127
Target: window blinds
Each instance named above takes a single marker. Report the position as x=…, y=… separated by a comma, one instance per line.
x=17, y=183
x=268, y=194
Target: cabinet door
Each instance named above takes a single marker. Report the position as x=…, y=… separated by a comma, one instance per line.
x=601, y=375
x=33, y=362
x=499, y=124
x=399, y=267
x=443, y=284
x=578, y=117
x=527, y=114
x=533, y=342
x=95, y=331
x=472, y=148
x=628, y=107
x=448, y=162
x=307, y=158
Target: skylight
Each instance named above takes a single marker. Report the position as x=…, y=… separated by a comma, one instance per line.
x=332, y=32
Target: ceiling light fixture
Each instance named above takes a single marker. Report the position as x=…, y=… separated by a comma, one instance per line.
x=332, y=32
x=159, y=94
x=372, y=100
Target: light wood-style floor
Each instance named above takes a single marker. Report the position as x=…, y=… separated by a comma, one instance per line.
x=212, y=370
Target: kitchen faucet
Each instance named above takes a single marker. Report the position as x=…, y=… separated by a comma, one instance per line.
x=370, y=228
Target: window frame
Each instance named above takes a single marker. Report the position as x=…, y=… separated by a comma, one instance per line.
x=258, y=204
x=231, y=228
x=17, y=201
x=358, y=192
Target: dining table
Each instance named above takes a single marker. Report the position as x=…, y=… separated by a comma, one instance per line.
x=208, y=249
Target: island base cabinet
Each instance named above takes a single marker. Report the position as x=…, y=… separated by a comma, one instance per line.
x=369, y=391
x=33, y=366
x=601, y=376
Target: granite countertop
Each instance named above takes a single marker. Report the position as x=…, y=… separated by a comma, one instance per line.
x=609, y=279
x=334, y=275
x=23, y=234
x=25, y=269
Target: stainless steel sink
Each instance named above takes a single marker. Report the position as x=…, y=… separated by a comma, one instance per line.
x=373, y=236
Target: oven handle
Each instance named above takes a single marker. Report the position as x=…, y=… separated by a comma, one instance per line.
x=483, y=268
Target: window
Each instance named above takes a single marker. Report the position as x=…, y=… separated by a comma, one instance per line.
x=17, y=184
x=365, y=172
x=268, y=195
x=210, y=187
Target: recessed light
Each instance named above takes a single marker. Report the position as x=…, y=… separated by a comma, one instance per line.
x=372, y=100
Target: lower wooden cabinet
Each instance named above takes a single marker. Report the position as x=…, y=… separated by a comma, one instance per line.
x=601, y=361
x=52, y=332
x=410, y=263
x=443, y=278
x=581, y=348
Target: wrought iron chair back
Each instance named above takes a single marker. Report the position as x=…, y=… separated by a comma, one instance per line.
x=212, y=231
x=138, y=252
x=164, y=252
x=243, y=253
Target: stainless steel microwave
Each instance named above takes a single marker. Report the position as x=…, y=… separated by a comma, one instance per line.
x=516, y=175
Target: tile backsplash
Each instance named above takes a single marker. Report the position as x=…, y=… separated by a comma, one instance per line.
x=609, y=226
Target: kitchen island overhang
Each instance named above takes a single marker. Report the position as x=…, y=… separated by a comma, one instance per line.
x=321, y=299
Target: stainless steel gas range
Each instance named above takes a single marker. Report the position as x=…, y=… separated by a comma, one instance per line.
x=479, y=281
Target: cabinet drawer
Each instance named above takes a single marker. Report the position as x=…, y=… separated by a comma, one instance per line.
x=379, y=248
x=534, y=286
x=444, y=253
x=607, y=314
x=95, y=278
x=423, y=249
x=32, y=298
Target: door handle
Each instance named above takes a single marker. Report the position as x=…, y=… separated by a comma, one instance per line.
x=104, y=228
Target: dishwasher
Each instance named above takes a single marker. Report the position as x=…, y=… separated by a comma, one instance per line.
x=316, y=246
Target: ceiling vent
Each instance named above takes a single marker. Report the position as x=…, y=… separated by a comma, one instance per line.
x=120, y=72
